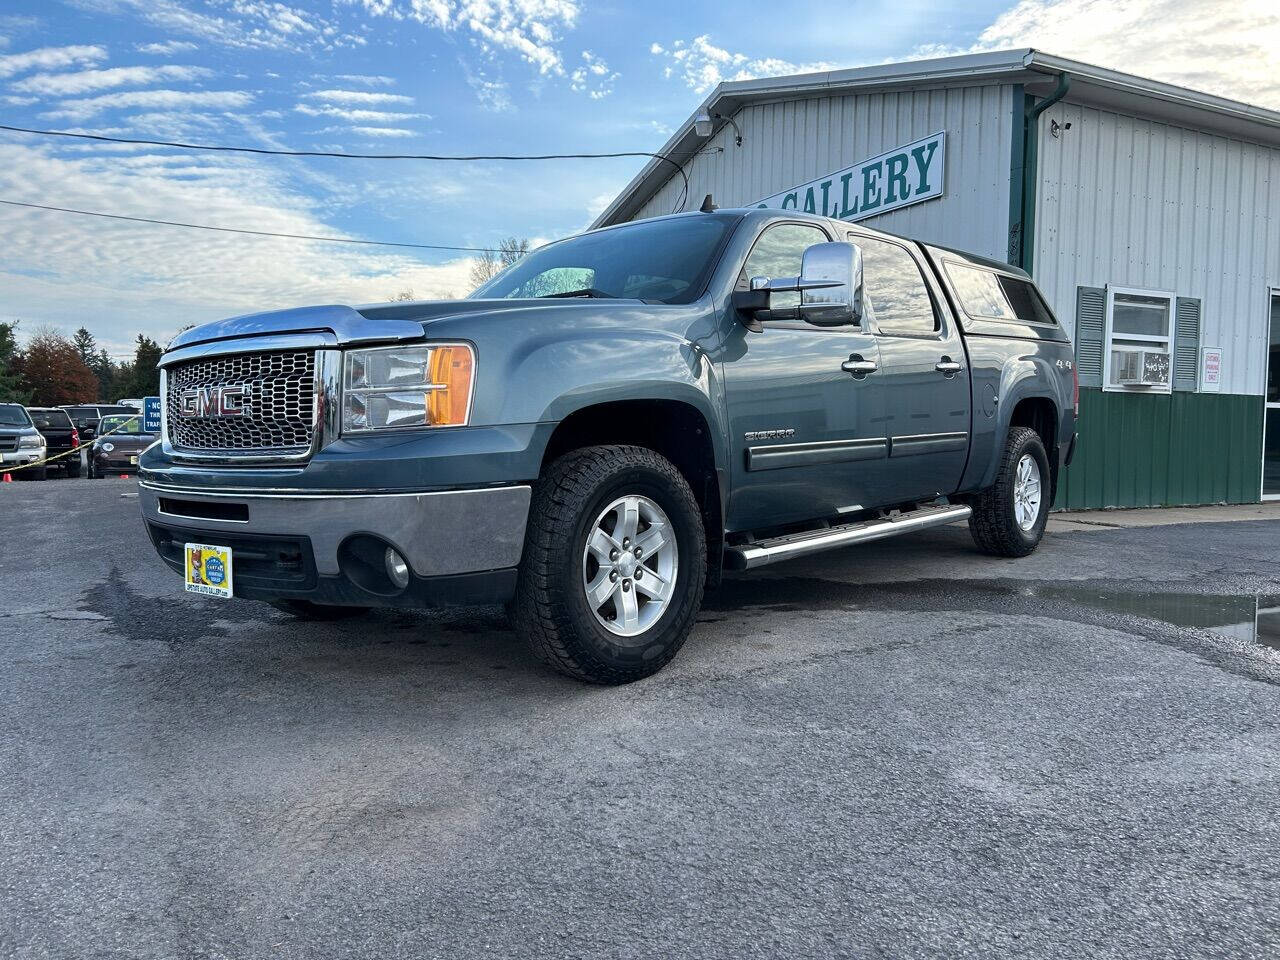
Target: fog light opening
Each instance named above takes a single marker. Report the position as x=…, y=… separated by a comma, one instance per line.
x=397, y=568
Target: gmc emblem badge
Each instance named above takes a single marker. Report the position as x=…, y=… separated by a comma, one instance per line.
x=231, y=400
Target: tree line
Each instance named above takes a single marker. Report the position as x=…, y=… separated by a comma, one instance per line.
x=53, y=369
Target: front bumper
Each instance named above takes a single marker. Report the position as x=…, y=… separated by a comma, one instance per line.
x=460, y=545
x=18, y=457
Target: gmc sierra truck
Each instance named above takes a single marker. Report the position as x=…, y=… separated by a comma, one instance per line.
x=599, y=431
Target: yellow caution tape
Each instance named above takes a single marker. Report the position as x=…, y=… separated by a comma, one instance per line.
x=7, y=468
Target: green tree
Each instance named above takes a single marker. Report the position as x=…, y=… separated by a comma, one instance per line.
x=146, y=368
x=105, y=369
x=12, y=388
x=84, y=343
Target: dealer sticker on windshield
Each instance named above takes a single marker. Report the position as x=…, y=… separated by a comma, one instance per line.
x=208, y=569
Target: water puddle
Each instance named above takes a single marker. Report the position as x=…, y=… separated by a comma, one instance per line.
x=1252, y=619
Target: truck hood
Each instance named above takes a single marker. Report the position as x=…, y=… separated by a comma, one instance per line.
x=374, y=323
x=17, y=431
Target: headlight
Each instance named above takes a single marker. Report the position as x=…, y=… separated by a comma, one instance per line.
x=36, y=441
x=108, y=447
x=392, y=387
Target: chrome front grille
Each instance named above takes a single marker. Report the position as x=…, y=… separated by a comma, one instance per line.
x=276, y=390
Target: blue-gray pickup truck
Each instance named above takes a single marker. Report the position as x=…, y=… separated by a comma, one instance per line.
x=599, y=431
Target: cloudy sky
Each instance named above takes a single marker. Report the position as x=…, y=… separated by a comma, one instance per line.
x=434, y=76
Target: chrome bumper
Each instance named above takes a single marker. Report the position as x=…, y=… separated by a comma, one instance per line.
x=440, y=533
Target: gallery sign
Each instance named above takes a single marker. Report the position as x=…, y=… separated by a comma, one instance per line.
x=899, y=178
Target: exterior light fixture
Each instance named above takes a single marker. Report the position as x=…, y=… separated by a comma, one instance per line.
x=702, y=125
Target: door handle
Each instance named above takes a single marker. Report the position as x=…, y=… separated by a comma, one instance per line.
x=857, y=367
x=948, y=367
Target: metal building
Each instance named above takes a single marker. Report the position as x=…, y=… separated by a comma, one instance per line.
x=1149, y=214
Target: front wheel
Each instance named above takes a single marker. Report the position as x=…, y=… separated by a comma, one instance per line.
x=614, y=565
x=1009, y=517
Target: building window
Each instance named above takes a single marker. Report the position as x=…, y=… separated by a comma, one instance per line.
x=1139, y=340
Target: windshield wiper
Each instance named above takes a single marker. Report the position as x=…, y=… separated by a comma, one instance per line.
x=584, y=292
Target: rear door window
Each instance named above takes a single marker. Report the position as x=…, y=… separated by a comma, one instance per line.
x=894, y=288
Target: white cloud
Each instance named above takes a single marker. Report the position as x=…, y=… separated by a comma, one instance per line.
x=70, y=84
x=167, y=48
x=702, y=65
x=359, y=96
x=1232, y=50
x=151, y=278
x=369, y=80
x=252, y=24
x=153, y=100
x=383, y=132
x=529, y=28
x=52, y=58
x=594, y=78
x=357, y=116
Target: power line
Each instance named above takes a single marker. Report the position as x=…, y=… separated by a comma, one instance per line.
x=264, y=151
x=256, y=233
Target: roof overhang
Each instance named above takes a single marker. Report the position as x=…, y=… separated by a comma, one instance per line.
x=1038, y=72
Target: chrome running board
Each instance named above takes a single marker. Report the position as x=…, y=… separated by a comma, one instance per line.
x=748, y=556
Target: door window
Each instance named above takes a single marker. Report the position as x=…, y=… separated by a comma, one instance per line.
x=778, y=253
x=894, y=289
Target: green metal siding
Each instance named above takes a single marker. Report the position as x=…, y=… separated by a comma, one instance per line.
x=1147, y=450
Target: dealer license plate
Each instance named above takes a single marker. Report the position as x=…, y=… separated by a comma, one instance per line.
x=207, y=569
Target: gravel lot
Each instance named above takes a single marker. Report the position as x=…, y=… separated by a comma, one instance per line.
x=900, y=750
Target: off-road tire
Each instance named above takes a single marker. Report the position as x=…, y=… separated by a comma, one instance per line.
x=551, y=612
x=306, y=610
x=993, y=523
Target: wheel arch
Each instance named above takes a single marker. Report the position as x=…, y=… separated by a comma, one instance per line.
x=677, y=429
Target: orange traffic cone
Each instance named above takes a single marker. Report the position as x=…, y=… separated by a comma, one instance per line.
x=8, y=478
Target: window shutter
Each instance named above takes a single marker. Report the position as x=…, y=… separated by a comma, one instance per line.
x=1091, y=308
x=1186, y=344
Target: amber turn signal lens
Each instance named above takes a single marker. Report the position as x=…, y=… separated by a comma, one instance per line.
x=447, y=402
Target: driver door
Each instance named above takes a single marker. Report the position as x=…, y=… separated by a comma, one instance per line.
x=802, y=428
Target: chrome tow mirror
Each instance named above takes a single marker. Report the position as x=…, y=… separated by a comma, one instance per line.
x=830, y=287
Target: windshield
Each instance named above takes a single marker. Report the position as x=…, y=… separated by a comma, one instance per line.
x=121, y=425
x=82, y=412
x=665, y=260
x=12, y=415
x=50, y=419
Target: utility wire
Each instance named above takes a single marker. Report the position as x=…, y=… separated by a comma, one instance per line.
x=256, y=233
x=356, y=156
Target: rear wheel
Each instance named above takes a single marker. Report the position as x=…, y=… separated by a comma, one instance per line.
x=34, y=473
x=73, y=469
x=614, y=565
x=1009, y=517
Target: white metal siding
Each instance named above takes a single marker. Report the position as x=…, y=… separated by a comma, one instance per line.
x=788, y=143
x=1138, y=203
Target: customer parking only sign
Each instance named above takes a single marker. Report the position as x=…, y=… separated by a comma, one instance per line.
x=899, y=178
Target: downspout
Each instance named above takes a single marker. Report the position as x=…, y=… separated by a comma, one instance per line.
x=1030, y=173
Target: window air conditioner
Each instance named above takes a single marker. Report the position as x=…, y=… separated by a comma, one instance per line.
x=1132, y=367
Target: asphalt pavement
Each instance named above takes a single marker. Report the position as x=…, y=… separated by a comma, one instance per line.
x=905, y=749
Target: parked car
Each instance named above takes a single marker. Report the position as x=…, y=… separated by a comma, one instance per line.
x=598, y=431
x=86, y=417
x=120, y=440
x=132, y=403
x=20, y=443
x=60, y=437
